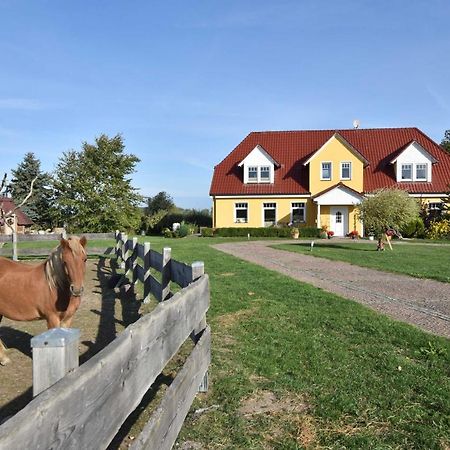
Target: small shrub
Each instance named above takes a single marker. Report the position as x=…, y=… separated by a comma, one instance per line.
x=439, y=229
x=207, y=232
x=183, y=231
x=414, y=229
x=168, y=233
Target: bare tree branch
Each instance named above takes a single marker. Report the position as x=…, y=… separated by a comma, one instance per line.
x=3, y=185
x=4, y=215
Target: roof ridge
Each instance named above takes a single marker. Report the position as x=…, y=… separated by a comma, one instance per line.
x=333, y=130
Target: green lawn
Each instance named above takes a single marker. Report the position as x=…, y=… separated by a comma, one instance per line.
x=421, y=261
x=343, y=376
x=338, y=375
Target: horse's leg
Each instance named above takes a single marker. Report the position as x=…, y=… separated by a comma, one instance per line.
x=3, y=358
x=53, y=321
x=70, y=311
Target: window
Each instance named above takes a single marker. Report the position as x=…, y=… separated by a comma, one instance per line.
x=338, y=217
x=406, y=171
x=421, y=172
x=269, y=214
x=326, y=171
x=298, y=213
x=258, y=174
x=264, y=174
x=346, y=170
x=241, y=212
x=435, y=206
x=252, y=174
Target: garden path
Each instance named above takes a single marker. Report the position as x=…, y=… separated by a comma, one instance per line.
x=421, y=302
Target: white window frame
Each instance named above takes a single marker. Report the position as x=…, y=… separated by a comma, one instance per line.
x=240, y=208
x=260, y=178
x=435, y=206
x=425, y=166
x=269, y=207
x=411, y=165
x=293, y=206
x=252, y=180
x=349, y=170
x=321, y=170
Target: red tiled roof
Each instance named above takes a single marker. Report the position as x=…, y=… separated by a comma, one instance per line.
x=8, y=204
x=292, y=148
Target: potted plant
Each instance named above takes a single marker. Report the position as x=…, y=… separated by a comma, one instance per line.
x=295, y=233
x=323, y=232
x=353, y=234
x=330, y=234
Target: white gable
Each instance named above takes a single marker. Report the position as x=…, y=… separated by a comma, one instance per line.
x=340, y=195
x=257, y=157
x=413, y=154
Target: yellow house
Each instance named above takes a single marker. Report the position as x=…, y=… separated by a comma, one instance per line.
x=317, y=178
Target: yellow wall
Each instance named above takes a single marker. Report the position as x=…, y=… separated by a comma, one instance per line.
x=224, y=211
x=335, y=152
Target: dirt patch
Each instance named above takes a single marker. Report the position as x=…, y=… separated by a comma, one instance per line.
x=266, y=402
x=231, y=319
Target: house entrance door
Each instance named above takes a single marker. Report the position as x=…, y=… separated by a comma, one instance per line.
x=339, y=220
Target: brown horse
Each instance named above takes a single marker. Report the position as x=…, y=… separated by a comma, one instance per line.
x=50, y=290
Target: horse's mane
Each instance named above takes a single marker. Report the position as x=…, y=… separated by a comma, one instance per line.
x=54, y=267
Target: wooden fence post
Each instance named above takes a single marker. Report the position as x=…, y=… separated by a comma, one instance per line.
x=55, y=353
x=124, y=251
x=165, y=273
x=133, y=261
x=147, y=278
x=198, y=269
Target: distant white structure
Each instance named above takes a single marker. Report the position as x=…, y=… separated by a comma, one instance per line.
x=175, y=226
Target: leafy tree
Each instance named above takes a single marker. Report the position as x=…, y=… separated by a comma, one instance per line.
x=387, y=208
x=92, y=188
x=160, y=202
x=445, y=143
x=37, y=207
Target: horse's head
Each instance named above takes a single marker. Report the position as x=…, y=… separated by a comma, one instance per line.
x=73, y=255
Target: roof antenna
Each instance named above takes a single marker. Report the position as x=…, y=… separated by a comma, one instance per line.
x=356, y=124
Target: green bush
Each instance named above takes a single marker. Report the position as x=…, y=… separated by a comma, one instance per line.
x=183, y=231
x=284, y=232
x=309, y=231
x=167, y=233
x=414, y=229
x=439, y=229
x=207, y=232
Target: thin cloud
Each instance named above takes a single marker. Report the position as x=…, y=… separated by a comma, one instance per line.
x=24, y=104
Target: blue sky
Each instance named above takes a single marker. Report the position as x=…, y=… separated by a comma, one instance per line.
x=185, y=81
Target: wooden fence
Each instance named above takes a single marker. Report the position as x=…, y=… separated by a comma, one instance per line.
x=87, y=407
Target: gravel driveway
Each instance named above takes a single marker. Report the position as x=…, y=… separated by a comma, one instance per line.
x=421, y=302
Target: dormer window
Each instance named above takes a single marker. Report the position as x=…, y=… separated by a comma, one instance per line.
x=421, y=172
x=406, y=172
x=259, y=174
x=413, y=163
x=264, y=174
x=253, y=174
x=258, y=167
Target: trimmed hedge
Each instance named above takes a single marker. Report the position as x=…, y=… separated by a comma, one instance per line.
x=284, y=232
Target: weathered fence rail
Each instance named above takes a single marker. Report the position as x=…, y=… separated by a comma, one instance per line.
x=87, y=407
